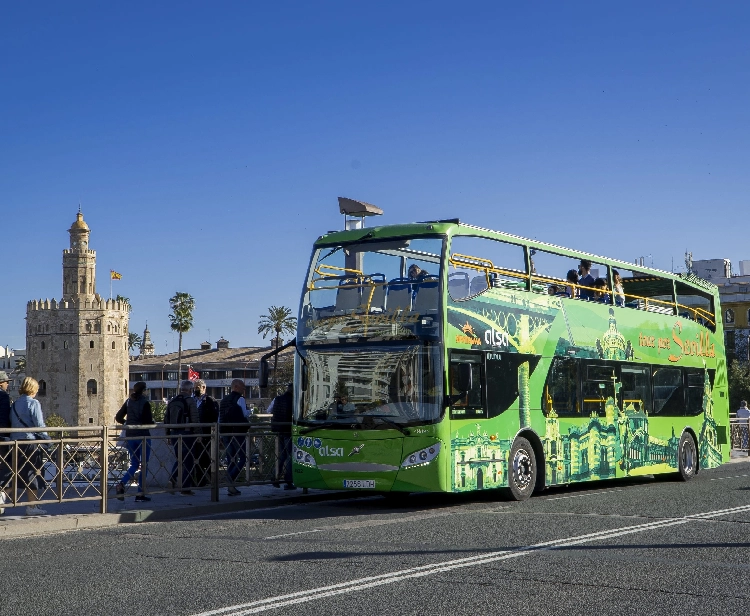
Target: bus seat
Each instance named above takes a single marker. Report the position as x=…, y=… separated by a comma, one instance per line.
x=399, y=294
x=427, y=295
x=347, y=297
x=478, y=284
x=458, y=285
x=377, y=302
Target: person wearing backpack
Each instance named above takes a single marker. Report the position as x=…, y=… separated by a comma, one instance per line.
x=6, y=450
x=135, y=412
x=182, y=410
x=281, y=424
x=208, y=411
x=233, y=410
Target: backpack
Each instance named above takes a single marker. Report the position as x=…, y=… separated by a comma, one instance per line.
x=209, y=410
x=177, y=411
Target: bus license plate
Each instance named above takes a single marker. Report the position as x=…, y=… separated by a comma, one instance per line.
x=359, y=483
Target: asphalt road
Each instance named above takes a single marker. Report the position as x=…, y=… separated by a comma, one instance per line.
x=624, y=547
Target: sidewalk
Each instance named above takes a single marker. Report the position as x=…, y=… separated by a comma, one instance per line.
x=85, y=514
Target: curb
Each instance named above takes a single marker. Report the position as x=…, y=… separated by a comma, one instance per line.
x=54, y=524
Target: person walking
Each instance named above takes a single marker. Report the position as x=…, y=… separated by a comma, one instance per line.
x=233, y=410
x=743, y=414
x=5, y=442
x=208, y=411
x=136, y=411
x=183, y=410
x=26, y=412
x=281, y=424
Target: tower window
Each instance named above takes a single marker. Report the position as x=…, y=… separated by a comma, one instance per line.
x=113, y=345
x=65, y=344
x=42, y=388
x=91, y=344
x=91, y=387
x=44, y=346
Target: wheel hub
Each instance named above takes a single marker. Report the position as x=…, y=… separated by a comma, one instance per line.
x=522, y=469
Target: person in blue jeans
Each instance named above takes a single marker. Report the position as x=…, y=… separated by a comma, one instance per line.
x=281, y=424
x=136, y=411
x=233, y=410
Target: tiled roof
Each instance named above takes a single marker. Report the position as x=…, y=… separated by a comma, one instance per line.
x=210, y=357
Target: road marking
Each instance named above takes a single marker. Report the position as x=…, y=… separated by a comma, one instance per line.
x=302, y=532
x=597, y=493
x=730, y=477
x=304, y=596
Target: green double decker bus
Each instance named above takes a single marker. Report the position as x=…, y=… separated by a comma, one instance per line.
x=444, y=357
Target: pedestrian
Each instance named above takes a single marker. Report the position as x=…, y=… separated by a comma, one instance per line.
x=26, y=412
x=136, y=411
x=208, y=411
x=5, y=442
x=182, y=410
x=233, y=410
x=743, y=414
x=281, y=423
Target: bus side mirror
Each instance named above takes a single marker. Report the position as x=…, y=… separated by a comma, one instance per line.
x=304, y=377
x=465, y=382
x=263, y=373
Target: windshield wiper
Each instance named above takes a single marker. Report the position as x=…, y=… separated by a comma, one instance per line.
x=391, y=423
x=329, y=424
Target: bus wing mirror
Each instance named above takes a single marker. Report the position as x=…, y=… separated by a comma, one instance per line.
x=465, y=381
x=263, y=373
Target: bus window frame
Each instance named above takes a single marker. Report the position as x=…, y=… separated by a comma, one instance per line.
x=456, y=357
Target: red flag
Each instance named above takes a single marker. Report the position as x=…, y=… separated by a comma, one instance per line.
x=193, y=375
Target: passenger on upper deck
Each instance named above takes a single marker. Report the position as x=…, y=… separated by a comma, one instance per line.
x=601, y=294
x=417, y=273
x=586, y=280
x=572, y=289
x=618, y=288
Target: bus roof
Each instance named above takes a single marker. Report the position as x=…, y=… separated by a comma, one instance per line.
x=454, y=226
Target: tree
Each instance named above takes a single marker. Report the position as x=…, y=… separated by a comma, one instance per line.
x=739, y=384
x=123, y=300
x=181, y=317
x=20, y=365
x=54, y=420
x=279, y=321
x=134, y=341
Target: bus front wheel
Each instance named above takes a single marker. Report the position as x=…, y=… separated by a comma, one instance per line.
x=687, y=457
x=522, y=470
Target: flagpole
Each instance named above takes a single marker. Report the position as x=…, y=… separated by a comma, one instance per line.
x=110, y=284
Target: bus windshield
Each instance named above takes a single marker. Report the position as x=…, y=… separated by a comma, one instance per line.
x=373, y=290
x=372, y=387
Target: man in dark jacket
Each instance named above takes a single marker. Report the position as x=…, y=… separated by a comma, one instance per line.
x=233, y=410
x=5, y=442
x=281, y=424
x=208, y=411
x=135, y=412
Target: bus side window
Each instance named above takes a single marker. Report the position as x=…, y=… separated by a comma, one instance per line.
x=561, y=389
x=636, y=388
x=598, y=387
x=669, y=392
x=695, y=380
x=469, y=404
x=502, y=379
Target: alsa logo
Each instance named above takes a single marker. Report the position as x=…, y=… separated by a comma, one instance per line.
x=331, y=452
x=495, y=338
x=468, y=337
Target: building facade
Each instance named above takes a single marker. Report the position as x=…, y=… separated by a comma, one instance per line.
x=77, y=347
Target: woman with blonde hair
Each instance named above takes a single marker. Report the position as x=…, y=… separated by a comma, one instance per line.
x=618, y=288
x=26, y=412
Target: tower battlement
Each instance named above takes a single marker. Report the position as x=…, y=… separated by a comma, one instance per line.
x=79, y=303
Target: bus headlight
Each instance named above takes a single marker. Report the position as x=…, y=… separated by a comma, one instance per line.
x=421, y=457
x=300, y=456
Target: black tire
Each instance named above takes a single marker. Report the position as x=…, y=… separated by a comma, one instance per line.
x=521, y=470
x=687, y=457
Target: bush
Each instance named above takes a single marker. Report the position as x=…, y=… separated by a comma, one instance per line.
x=157, y=410
x=739, y=384
x=54, y=420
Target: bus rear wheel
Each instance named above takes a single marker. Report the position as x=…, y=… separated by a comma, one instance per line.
x=521, y=470
x=687, y=457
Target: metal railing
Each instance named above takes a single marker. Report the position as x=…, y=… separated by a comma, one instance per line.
x=85, y=463
x=739, y=434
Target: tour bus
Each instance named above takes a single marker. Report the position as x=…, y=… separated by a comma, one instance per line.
x=445, y=357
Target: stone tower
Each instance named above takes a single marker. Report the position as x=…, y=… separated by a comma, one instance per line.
x=77, y=348
x=147, y=347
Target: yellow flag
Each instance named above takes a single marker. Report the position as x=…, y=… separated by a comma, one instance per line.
x=115, y=275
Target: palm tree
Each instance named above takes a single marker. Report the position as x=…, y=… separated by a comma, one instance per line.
x=134, y=341
x=182, y=305
x=278, y=320
x=123, y=300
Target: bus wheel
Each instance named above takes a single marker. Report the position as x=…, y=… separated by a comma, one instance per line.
x=522, y=471
x=687, y=457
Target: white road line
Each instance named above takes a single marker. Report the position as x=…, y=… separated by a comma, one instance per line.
x=597, y=493
x=304, y=596
x=302, y=532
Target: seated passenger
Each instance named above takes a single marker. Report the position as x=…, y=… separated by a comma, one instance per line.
x=601, y=294
x=586, y=279
x=572, y=290
x=417, y=273
x=552, y=289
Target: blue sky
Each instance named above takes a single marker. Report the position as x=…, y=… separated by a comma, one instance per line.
x=207, y=143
